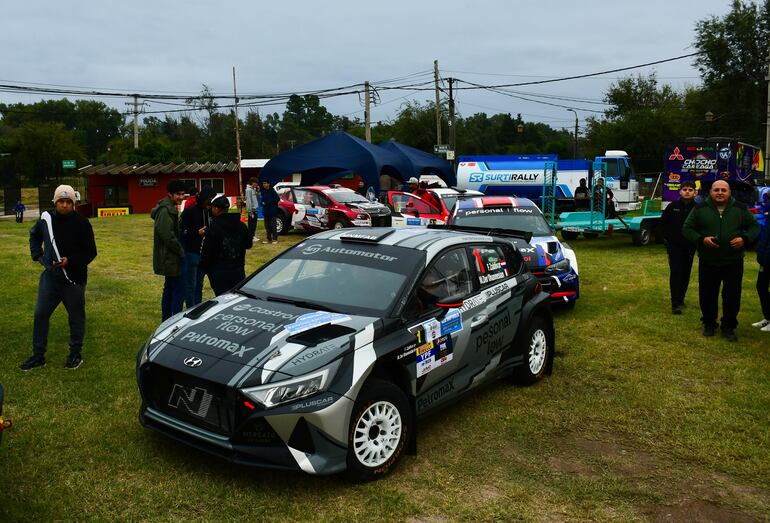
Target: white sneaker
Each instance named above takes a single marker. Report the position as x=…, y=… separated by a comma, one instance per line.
x=761, y=324
x=766, y=328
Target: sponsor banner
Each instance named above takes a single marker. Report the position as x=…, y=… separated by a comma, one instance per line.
x=106, y=212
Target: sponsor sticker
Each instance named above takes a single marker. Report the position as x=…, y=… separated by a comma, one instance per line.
x=413, y=221
x=315, y=319
x=452, y=322
x=433, y=355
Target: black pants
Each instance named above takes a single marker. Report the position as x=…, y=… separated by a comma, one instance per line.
x=222, y=280
x=710, y=278
x=763, y=290
x=680, y=266
x=272, y=235
x=53, y=290
x=253, y=224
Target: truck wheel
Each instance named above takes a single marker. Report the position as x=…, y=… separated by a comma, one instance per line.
x=641, y=237
x=569, y=235
x=380, y=426
x=538, y=351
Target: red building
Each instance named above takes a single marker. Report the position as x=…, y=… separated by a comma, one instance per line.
x=140, y=187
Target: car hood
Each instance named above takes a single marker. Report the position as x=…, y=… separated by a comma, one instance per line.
x=246, y=341
x=368, y=206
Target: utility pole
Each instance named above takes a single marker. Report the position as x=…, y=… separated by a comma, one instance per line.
x=438, y=103
x=367, y=117
x=237, y=138
x=767, y=123
x=574, y=149
x=451, y=123
x=136, y=122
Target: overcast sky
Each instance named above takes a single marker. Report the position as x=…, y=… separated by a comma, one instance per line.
x=176, y=46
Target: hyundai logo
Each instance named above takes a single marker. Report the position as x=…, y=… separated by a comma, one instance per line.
x=193, y=361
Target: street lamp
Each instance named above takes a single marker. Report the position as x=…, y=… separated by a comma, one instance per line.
x=709, y=116
x=574, y=151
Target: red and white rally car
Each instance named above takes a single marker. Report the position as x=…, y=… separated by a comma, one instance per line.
x=428, y=207
x=322, y=207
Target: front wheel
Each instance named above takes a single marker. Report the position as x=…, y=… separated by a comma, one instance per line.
x=341, y=223
x=538, y=352
x=280, y=225
x=379, y=429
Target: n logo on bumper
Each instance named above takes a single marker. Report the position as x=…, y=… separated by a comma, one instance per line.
x=196, y=400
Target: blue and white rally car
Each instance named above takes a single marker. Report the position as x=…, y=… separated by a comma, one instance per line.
x=324, y=358
x=553, y=262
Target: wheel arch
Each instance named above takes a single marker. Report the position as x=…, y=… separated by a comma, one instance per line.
x=538, y=307
x=398, y=375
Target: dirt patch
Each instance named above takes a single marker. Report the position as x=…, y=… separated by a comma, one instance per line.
x=695, y=511
x=428, y=519
x=570, y=465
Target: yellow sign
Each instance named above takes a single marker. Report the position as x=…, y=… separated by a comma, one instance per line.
x=106, y=212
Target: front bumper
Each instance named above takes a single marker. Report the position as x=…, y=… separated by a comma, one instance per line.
x=563, y=287
x=287, y=437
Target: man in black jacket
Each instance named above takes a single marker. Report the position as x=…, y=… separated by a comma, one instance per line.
x=63, y=242
x=223, y=253
x=680, y=251
x=192, y=228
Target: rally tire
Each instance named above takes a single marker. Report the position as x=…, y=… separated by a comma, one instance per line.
x=380, y=427
x=280, y=225
x=538, y=352
x=340, y=223
x=569, y=235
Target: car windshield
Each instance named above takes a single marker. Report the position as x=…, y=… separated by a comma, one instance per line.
x=357, y=278
x=449, y=201
x=527, y=219
x=347, y=197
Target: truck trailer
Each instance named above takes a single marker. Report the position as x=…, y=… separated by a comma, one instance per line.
x=525, y=176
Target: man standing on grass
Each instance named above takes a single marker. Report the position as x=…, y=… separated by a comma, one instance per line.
x=167, y=252
x=223, y=254
x=680, y=251
x=252, y=205
x=721, y=228
x=193, y=224
x=63, y=242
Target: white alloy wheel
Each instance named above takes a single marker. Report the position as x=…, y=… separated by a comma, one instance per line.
x=538, y=349
x=339, y=225
x=377, y=434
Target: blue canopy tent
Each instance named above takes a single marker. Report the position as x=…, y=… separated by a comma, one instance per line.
x=422, y=162
x=336, y=155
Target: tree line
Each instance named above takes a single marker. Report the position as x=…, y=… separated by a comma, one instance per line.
x=643, y=117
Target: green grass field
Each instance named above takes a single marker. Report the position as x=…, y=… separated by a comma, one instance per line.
x=642, y=419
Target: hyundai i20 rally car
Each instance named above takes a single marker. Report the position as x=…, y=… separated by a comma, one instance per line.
x=323, y=359
x=552, y=261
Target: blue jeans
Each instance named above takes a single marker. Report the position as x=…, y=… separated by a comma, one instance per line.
x=173, y=296
x=192, y=279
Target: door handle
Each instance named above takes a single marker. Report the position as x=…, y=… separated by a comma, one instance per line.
x=478, y=320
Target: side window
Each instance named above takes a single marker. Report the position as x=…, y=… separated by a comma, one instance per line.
x=322, y=200
x=492, y=264
x=421, y=206
x=611, y=167
x=399, y=202
x=449, y=275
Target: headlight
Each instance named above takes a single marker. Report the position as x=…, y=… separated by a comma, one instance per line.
x=144, y=353
x=562, y=266
x=291, y=390
x=362, y=216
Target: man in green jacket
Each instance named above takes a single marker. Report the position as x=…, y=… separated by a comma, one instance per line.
x=722, y=229
x=167, y=251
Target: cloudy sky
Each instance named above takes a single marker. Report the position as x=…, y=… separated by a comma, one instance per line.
x=175, y=46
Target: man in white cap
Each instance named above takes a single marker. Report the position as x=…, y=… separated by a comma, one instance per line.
x=63, y=242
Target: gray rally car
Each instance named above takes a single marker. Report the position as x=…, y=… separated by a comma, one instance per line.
x=323, y=359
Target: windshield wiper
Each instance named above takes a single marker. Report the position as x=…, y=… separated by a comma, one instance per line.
x=301, y=303
x=247, y=294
